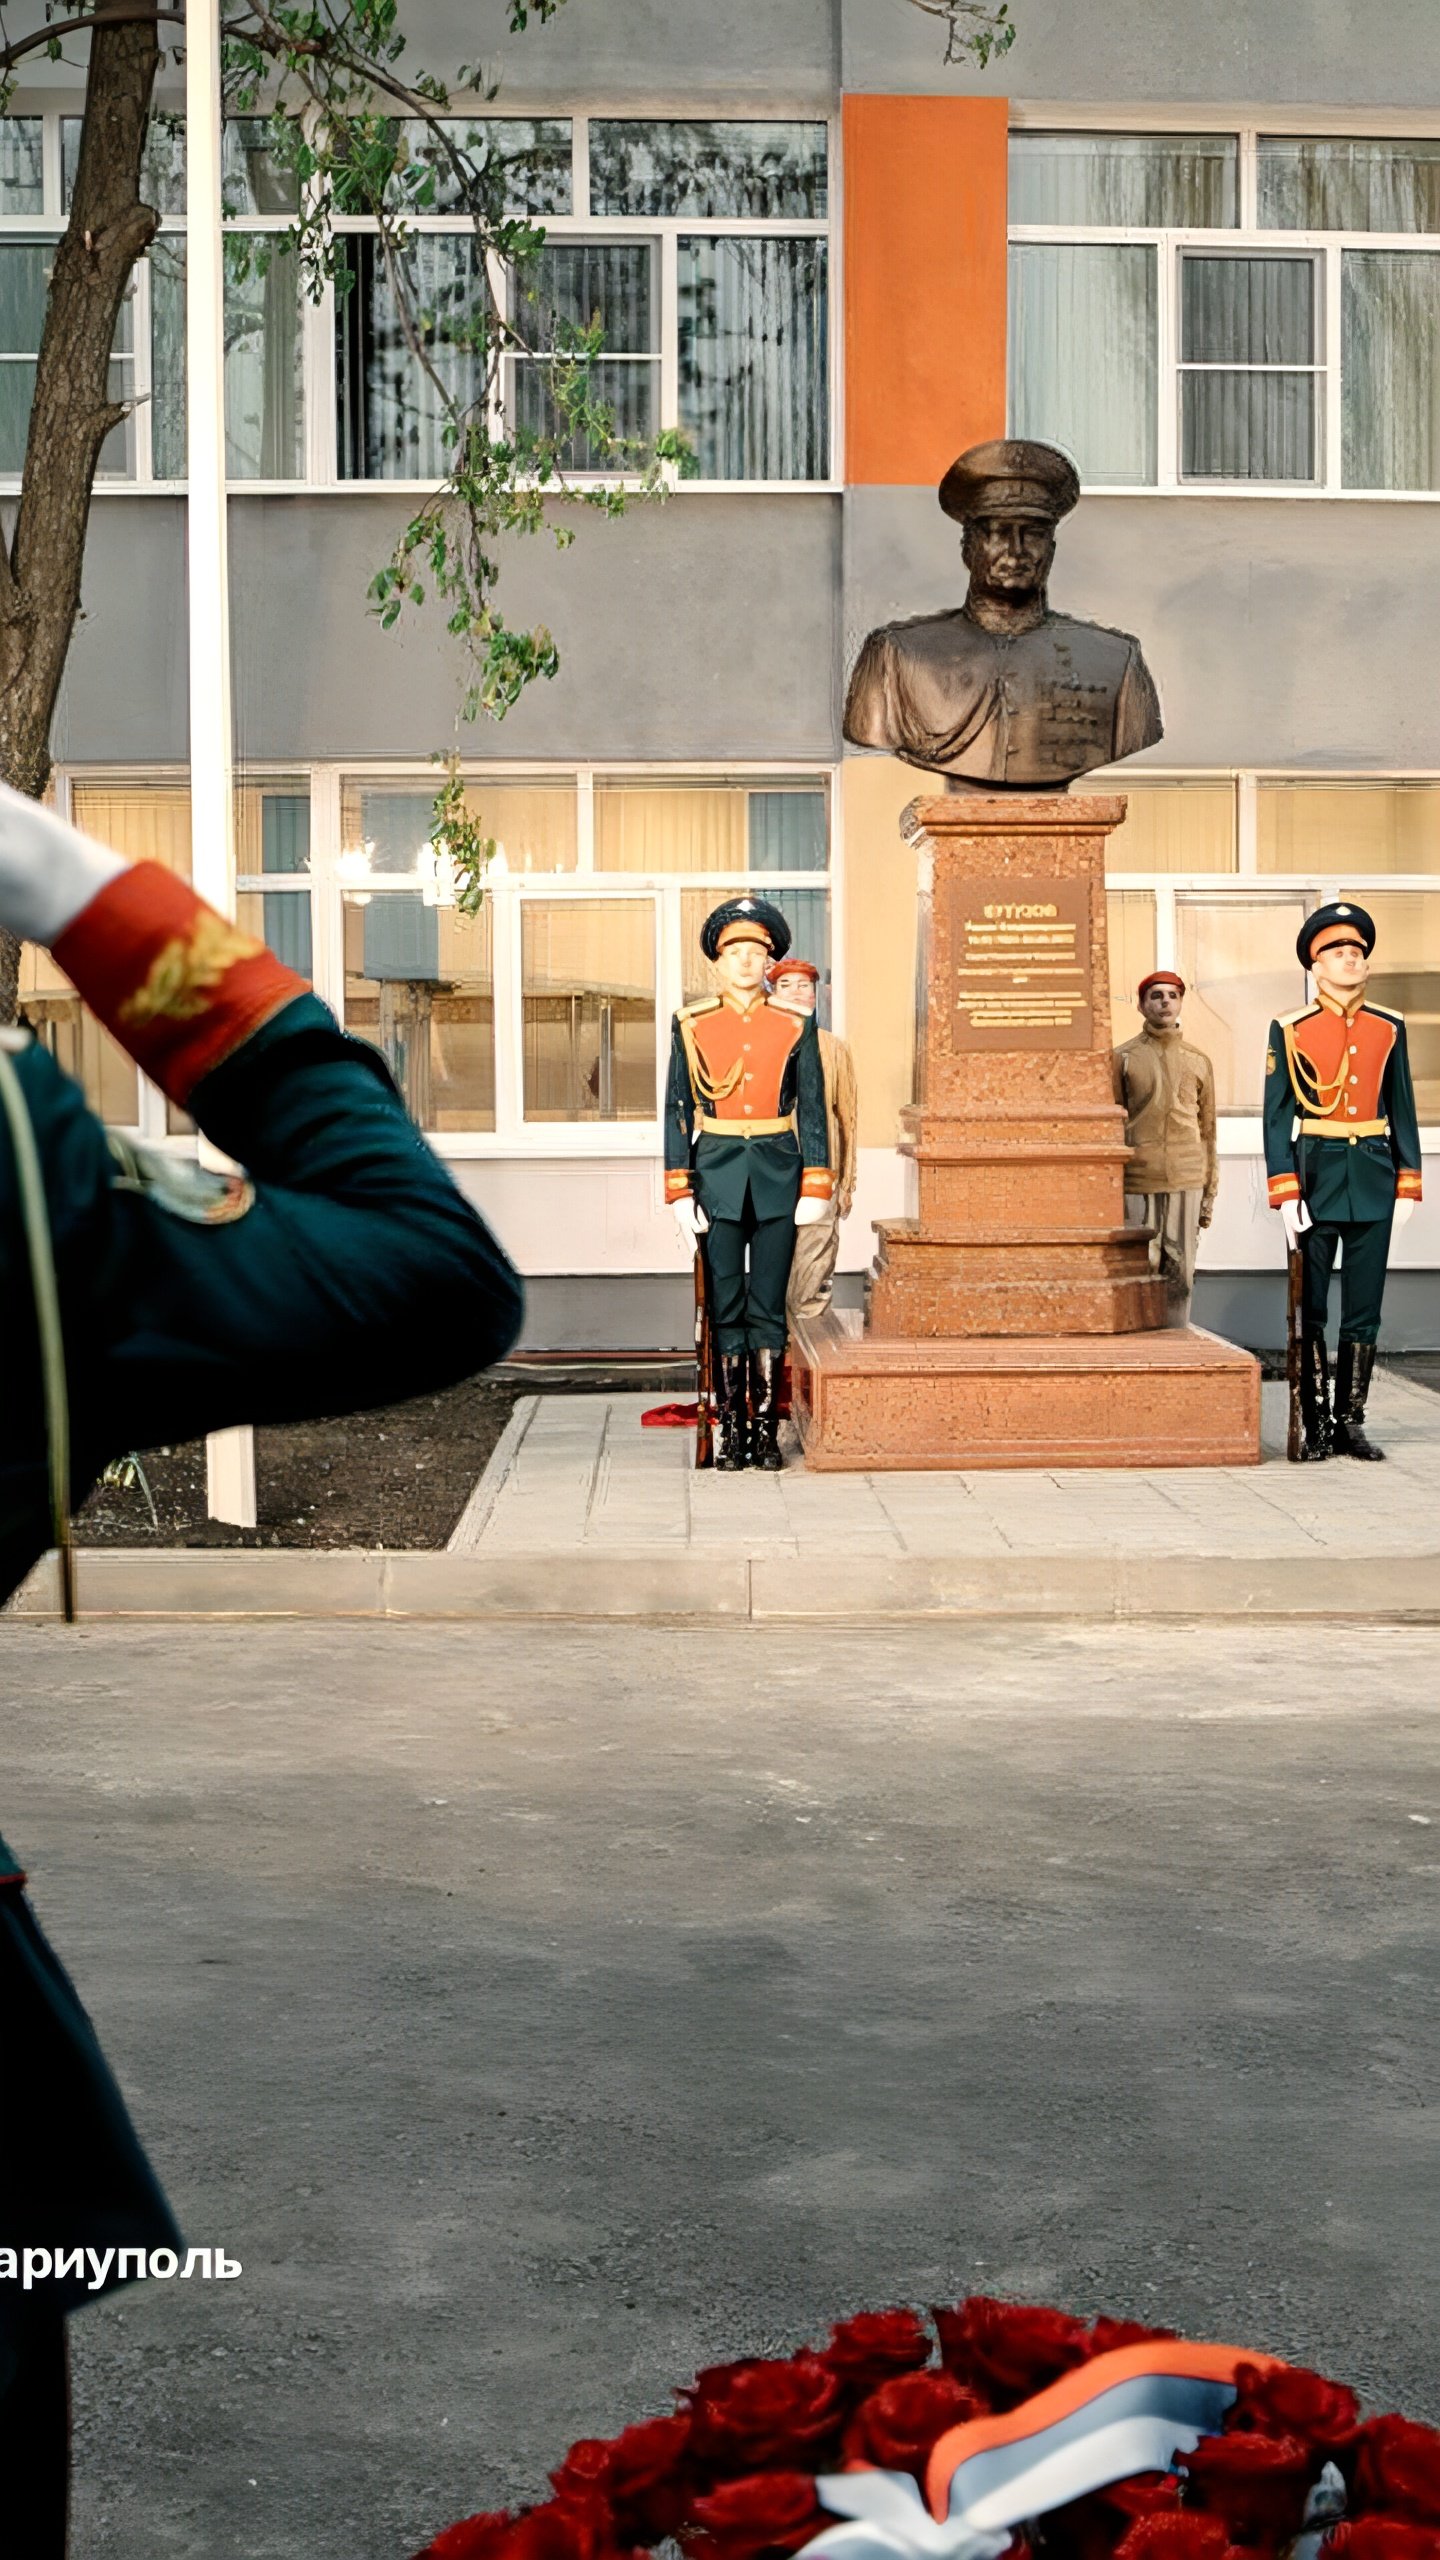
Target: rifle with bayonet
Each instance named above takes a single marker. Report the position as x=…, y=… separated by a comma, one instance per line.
x=704, y=1363
x=1294, y=1353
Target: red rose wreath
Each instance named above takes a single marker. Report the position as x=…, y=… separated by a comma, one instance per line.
x=1030, y=2431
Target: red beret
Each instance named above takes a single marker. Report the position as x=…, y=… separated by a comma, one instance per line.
x=788, y=968
x=1160, y=978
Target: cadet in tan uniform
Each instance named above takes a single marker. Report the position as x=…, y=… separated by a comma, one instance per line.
x=812, y=1272
x=1167, y=1091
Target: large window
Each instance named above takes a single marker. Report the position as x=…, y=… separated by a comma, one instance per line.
x=551, y=1011
x=1213, y=874
x=588, y=979
x=264, y=323
x=1226, y=310
x=700, y=248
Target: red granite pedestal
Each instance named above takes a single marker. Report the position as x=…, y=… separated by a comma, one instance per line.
x=1013, y=1320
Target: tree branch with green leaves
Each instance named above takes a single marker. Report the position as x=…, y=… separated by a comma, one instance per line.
x=364, y=140
x=974, y=31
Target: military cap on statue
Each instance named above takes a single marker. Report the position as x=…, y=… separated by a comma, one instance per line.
x=754, y=919
x=1010, y=478
x=1340, y=922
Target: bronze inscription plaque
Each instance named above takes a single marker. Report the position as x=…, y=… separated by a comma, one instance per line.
x=1020, y=964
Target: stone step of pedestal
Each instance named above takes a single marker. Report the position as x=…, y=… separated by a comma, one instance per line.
x=1023, y=1194
x=863, y=1402
x=1052, y=1280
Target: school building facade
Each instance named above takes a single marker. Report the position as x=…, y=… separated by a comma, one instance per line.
x=1201, y=251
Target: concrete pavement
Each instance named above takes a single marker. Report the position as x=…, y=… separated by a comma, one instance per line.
x=583, y=1513
x=539, y=2012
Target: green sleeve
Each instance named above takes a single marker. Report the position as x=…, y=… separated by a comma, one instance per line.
x=1400, y=1106
x=812, y=1124
x=679, y=1105
x=1279, y=1108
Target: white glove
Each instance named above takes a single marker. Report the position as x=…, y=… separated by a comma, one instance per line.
x=808, y=1212
x=690, y=1218
x=1404, y=1210
x=1297, y=1218
x=48, y=871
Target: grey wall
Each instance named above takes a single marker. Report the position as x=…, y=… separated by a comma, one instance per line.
x=1249, y=1307
x=1280, y=632
x=649, y=1311
x=125, y=690
x=703, y=627
x=1122, y=52
x=767, y=53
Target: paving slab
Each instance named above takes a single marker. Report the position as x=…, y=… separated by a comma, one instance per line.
x=583, y=1512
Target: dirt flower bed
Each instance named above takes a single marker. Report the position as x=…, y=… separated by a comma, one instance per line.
x=399, y=1477
x=396, y=1478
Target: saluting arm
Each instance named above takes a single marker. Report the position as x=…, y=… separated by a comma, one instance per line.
x=1403, y=1118
x=1280, y=1166
x=353, y=1271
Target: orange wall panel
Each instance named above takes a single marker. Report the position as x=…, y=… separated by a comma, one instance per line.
x=925, y=216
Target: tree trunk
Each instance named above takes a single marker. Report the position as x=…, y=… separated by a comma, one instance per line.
x=72, y=413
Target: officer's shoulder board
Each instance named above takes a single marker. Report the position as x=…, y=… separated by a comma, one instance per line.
x=1386, y=1012
x=702, y=1004
x=1302, y=1013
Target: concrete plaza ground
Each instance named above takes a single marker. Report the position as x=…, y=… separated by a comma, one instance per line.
x=583, y=1513
x=538, y=2012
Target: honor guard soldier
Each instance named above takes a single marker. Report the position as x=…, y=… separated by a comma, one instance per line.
x=747, y=1160
x=1342, y=1150
x=143, y=1301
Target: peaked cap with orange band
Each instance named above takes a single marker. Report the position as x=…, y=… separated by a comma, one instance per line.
x=1341, y=921
x=1135, y=2409
x=173, y=981
x=747, y=920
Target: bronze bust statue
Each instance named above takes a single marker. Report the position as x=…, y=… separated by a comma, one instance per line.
x=1000, y=693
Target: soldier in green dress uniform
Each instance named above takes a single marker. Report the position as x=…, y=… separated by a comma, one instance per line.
x=340, y=1268
x=747, y=1160
x=1342, y=1151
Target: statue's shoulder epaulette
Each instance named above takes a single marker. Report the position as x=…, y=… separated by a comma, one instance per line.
x=1386, y=1012
x=702, y=1004
x=1302, y=1014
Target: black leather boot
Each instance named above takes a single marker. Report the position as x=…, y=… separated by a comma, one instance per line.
x=765, y=1367
x=1315, y=1398
x=1353, y=1364
x=731, y=1434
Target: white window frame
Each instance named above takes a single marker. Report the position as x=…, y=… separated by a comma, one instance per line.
x=666, y=230
x=1241, y=1133
x=513, y=1136
x=1243, y=238
x=318, y=318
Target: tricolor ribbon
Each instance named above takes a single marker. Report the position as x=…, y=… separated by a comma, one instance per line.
x=1133, y=2410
